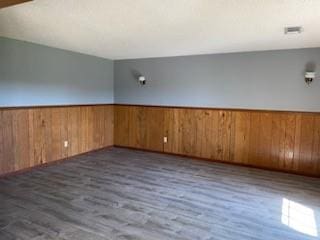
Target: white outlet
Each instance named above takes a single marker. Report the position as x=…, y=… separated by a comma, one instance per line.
x=66, y=143
x=165, y=139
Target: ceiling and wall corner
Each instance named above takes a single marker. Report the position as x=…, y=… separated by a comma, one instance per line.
x=142, y=29
x=149, y=28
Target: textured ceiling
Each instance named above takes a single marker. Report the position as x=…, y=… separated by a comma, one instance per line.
x=119, y=29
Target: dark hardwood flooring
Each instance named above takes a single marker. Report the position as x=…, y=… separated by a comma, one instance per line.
x=133, y=195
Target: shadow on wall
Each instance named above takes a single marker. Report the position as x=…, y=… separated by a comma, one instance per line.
x=135, y=74
x=310, y=67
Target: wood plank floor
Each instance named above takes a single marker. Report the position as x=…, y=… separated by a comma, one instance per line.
x=133, y=195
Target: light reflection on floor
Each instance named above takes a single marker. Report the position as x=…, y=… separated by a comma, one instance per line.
x=299, y=217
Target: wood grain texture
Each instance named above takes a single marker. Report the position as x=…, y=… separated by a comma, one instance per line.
x=121, y=125
x=139, y=127
x=121, y=194
x=8, y=3
x=31, y=137
x=285, y=141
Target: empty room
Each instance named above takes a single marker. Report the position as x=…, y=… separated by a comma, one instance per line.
x=159, y=120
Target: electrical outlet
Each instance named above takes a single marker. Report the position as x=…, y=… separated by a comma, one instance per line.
x=165, y=139
x=66, y=143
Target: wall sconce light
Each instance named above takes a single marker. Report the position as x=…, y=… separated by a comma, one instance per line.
x=142, y=80
x=309, y=77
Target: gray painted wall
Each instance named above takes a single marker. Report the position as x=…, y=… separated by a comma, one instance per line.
x=257, y=80
x=32, y=74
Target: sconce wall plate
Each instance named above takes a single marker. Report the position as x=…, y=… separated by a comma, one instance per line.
x=309, y=77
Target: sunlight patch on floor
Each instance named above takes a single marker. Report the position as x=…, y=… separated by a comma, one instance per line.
x=299, y=217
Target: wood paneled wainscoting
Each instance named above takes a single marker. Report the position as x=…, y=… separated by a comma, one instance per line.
x=33, y=136
x=284, y=141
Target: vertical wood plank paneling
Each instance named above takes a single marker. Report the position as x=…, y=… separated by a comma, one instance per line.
x=145, y=128
x=171, y=128
x=38, y=137
x=63, y=131
x=208, y=134
x=306, y=144
x=211, y=132
x=232, y=136
x=59, y=129
x=260, y=139
x=2, y=155
x=316, y=145
x=8, y=142
x=57, y=139
x=98, y=127
x=254, y=138
x=20, y=131
x=73, y=130
x=47, y=133
x=121, y=129
x=224, y=137
x=289, y=142
x=241, y=137
x=155, y=129
x=265, y=139
x=297, y=141
x=83, y=130
x=41, y=135
x=189, y=129
x=275, y=140
x=201, y=129
x=30, y=137
x=101, y=128
x=91, y=125
x=108, y=125
x=137, y=133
